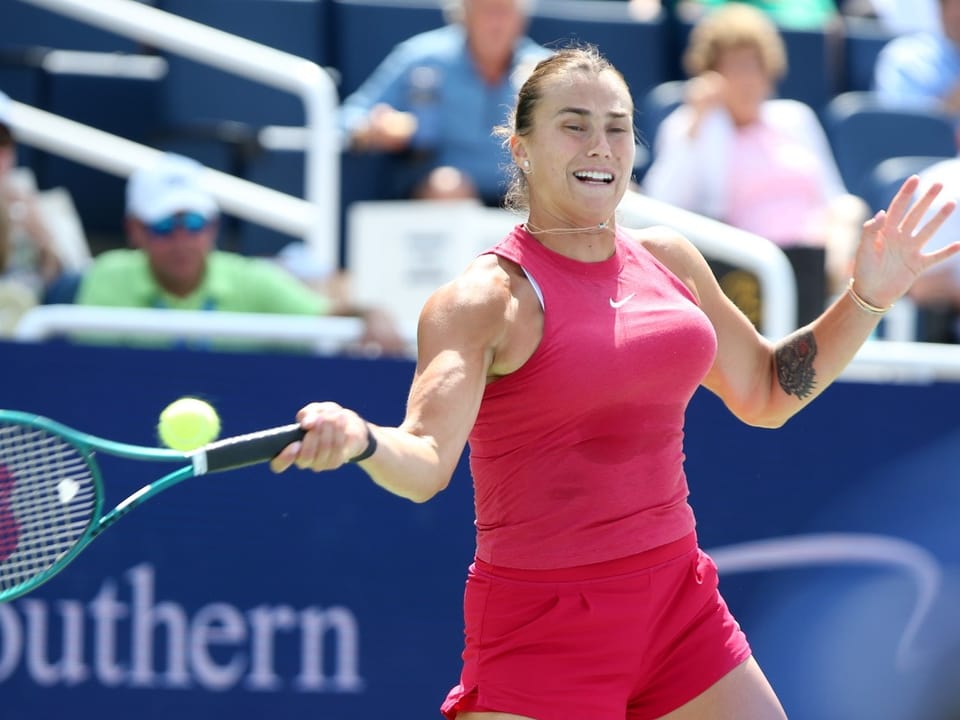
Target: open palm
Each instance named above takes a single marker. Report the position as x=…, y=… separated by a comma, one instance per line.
x=890, y=255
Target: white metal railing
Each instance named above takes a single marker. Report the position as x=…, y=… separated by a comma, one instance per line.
x=732, y=245
x=881, y=361
x=119, y=156
x=889, y=361
x=318, y=220
x=324, y=333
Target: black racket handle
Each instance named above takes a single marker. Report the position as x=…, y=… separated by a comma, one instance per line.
x=250, y=449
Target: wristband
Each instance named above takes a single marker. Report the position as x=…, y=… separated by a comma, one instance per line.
x=370, y=449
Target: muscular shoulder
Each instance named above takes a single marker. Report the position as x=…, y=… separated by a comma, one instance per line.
x=480, y=295
x=489, y=309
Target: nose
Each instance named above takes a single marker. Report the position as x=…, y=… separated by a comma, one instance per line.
x=600, y=146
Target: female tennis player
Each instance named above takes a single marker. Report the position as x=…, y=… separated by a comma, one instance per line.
x=566, y=357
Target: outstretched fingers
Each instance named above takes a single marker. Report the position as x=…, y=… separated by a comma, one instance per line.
x=920, y=209
x=900, y=205
x=931, y=228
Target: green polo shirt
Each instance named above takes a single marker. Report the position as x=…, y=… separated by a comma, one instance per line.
x=231, y=283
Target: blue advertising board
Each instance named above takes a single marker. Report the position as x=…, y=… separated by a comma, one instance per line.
x=250, y=594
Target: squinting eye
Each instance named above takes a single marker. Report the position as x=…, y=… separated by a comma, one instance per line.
x=574, y=127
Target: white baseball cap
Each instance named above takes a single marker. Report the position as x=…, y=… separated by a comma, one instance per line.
x=170, y=186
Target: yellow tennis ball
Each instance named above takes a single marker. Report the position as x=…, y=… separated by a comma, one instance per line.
x=187, y=424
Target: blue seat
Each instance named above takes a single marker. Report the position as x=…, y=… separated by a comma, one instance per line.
x=195, y=93
x=638, y=48
x=863, y=40
x=655, y=105
x=363, y=176
x=652, y=108
x=280, y=170
x=23, y=25
x=124, y=106
x=864, y=132
x=364, y=31
x=23, y=79
x=885, y=179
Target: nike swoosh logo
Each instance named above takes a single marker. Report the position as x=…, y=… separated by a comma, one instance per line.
x=620, y=303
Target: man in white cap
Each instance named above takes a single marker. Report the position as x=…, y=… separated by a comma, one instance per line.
x=171, y=224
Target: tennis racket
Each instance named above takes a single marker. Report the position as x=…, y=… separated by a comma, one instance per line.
x=52, y=493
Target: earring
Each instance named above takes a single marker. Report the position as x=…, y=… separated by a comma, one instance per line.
x=526, y=167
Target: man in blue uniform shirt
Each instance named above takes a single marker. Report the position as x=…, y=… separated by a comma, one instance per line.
x=437, y=97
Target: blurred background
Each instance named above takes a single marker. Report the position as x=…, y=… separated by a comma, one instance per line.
x=256, y=595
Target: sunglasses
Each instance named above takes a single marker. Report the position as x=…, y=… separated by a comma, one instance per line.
x=190, y=221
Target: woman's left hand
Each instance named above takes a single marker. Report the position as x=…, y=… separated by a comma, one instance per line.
x=890, y=255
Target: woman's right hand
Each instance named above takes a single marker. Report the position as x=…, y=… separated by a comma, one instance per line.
x=334, y=434
x=703, y=94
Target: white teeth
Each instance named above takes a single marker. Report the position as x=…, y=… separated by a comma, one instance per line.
x=592, y=175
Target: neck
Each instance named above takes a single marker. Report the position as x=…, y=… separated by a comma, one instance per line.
x=536, y=230
x=591, y=243
x=492, y=67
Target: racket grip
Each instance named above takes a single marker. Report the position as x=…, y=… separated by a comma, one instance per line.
x=241, y=450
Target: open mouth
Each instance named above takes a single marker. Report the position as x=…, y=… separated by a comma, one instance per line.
x=594, y=177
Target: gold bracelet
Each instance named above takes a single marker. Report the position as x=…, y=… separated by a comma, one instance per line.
x=863, y=304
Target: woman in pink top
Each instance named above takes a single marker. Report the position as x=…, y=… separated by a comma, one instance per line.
x=566, y=357
x=733, y=153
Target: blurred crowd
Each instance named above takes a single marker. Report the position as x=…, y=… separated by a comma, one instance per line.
x=729, y=146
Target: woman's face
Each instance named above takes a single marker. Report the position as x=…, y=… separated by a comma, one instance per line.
x=748, y=82
x=581, y=149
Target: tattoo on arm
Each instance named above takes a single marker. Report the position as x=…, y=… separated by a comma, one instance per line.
x=794, y=364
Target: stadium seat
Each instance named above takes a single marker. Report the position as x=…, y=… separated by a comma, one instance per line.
x=22, y=78
x=655, y=105
x=196, y=93
x=863, y=40
x=637, y=48
x=864, y=132
x=364, y=31
x=885, y=178
x=23, y=25
x=124, y=107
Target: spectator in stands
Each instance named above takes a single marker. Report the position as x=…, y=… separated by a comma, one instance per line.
x=803, y=15
x=29, y=255
x=171, y=225
x=437, y=96
x=923, y=69
x=937, y=291
x=731, y=152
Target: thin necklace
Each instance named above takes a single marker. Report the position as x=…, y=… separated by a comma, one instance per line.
x=534, y=230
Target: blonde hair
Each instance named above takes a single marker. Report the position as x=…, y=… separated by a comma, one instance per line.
x=734, y=26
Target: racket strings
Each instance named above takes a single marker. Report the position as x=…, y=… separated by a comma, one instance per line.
x=48, y=497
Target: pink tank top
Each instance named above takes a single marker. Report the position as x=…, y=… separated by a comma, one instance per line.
x=577, y=457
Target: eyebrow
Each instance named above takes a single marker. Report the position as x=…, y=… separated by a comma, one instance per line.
x=585, y=113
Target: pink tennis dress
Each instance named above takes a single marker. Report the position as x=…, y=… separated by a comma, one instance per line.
x=589, y=597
